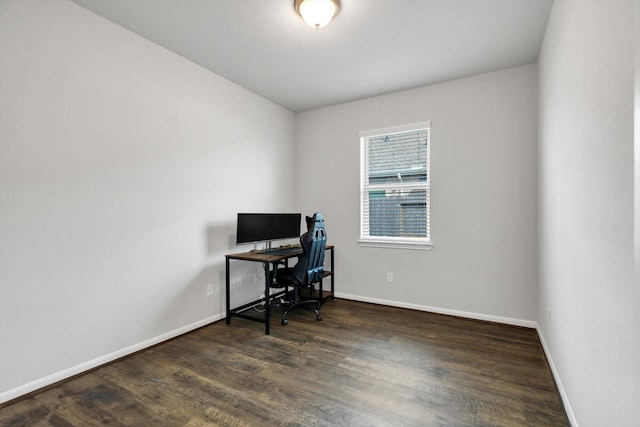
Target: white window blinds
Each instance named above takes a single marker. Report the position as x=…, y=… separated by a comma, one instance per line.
x=395, y=184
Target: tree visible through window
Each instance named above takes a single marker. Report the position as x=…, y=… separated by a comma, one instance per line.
x=395, y=185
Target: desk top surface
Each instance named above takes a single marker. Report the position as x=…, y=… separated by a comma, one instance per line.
x=288, y=252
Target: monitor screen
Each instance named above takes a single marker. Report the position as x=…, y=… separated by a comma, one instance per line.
x=260, y=227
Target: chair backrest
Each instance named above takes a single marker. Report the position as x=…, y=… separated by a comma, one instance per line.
x=316, y=250
x=310, y=266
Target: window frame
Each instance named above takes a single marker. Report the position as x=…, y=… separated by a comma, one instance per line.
x=365, y=240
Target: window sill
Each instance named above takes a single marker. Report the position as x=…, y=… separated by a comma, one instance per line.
x=421, y=246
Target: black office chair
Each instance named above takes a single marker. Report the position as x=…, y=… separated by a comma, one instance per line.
x=308, y=270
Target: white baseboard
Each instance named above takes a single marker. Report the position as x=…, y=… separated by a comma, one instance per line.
x=468, y=314
x=556, y=376
x=91, y=364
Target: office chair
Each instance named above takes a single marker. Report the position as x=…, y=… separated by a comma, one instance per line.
x=308, y=270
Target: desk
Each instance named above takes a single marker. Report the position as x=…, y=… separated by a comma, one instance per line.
x=268, y=259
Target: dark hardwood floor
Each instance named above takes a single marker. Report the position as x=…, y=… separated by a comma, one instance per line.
x=362, y=365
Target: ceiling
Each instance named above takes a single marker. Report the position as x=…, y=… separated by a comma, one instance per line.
x=372, y=47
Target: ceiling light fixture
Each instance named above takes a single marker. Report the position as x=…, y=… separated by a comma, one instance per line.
x=317, y=13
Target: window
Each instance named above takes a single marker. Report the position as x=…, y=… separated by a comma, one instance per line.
x=395, y=186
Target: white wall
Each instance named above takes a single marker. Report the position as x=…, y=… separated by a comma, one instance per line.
x=483, y=204
x=636, y=26
x=122, y=167
x=586, y=207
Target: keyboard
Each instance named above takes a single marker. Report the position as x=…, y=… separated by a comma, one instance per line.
x=282, y=251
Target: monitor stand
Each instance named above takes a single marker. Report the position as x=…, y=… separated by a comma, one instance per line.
x=267, y=248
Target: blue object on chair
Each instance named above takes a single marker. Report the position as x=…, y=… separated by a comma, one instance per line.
x=308, y=270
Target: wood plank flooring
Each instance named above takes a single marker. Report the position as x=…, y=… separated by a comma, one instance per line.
x=362, y=365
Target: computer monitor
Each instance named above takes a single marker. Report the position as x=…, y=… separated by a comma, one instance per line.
x=265, y=227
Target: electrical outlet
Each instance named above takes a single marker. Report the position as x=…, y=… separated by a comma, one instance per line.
x=389, y=277
x=210, y=290
x=548, y=316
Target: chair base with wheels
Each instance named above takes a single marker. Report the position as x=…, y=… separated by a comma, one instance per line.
x=307, y=304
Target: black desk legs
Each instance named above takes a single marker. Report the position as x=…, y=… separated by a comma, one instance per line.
x=228, y=293
x=267, y=300
x=333, y=274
